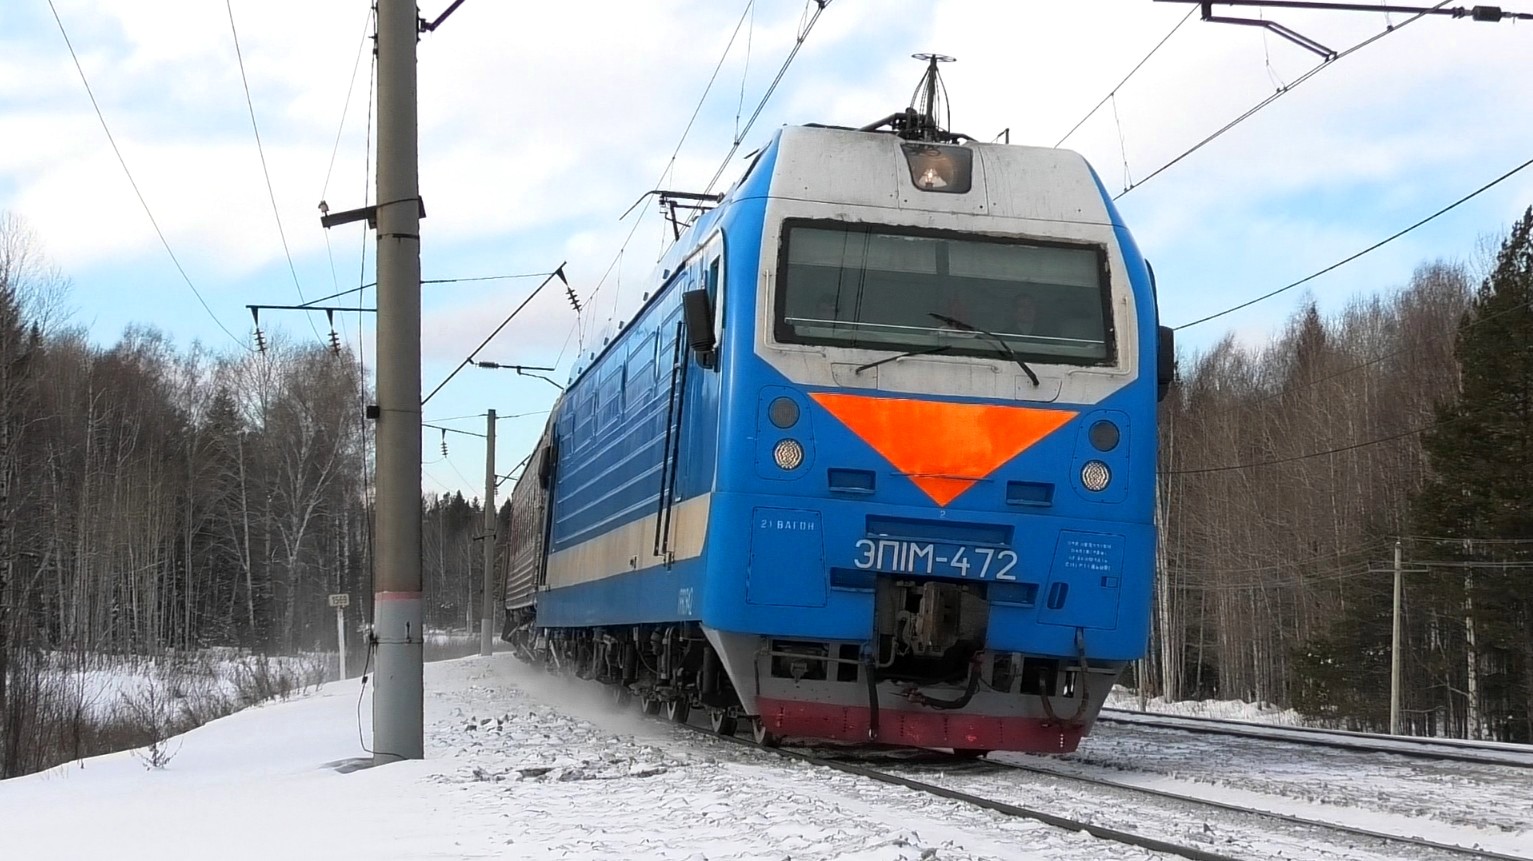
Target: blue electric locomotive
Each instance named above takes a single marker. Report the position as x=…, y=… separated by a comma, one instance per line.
x=875, y=461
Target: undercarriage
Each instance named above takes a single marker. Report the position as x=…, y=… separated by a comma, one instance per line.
x=924, y=678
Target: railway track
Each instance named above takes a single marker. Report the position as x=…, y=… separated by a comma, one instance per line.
x=1157, y=820
x=1451, y=750
x=1114, y=835
x=1383, y=838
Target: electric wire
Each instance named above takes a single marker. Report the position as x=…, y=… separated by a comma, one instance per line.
x=457, y=472
x=498, y=417
x=590, y=297
x=369, y=464
x=339, y=130
x=745, y=70
x=1444, y=539
x=131, y=181
x=1298, y=457
x=486, y=278
x=271, y=192
x=802, y=35
x=1114, y=91
x=749, y=5
x=1257, y=108
x=1262, y=569
x=798, y=43
x=346, y=105
x=1377, y=245
x=509, y=318
x=1384, y=357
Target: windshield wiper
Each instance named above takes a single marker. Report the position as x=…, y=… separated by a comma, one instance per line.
x=994, y=338
x=940, y=348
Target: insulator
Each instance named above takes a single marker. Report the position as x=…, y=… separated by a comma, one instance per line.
x=335, y=342
x=260, y=341
x=574, y=300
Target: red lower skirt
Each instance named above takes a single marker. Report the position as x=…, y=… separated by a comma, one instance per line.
x=925, y=728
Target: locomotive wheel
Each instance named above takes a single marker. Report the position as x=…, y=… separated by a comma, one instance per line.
x=676, y=711
x=764, y=736
x=721, y=721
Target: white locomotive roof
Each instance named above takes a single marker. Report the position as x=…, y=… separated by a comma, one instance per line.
x=868, y=169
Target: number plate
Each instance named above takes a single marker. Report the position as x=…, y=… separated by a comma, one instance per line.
x=943, y=560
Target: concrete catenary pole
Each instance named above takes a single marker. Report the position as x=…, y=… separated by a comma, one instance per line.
x=1394, y=650
x=398, y=721
x=487, y=618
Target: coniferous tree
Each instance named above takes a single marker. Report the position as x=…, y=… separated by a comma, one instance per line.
x=1475, y=512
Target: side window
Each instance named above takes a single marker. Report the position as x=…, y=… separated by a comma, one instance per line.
x=715, y=295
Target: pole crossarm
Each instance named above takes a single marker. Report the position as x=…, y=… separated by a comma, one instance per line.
x=254, y=308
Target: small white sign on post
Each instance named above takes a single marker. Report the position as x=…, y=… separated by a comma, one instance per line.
x=340, y=603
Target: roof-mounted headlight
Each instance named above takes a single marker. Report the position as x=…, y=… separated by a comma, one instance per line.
x=948, y=169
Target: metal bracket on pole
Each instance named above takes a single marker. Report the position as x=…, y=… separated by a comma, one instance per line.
x=1489, y=14
x=327, y=221
x=1299, y=39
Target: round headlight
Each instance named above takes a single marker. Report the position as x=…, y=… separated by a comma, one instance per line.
x=783, y=412
x=1104, y=435
x=788, y=454
x=1095, y=475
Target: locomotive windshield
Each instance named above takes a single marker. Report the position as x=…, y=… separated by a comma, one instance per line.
x=884, y=288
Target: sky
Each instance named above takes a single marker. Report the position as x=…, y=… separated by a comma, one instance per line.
x=528, y=765
x=541, y=124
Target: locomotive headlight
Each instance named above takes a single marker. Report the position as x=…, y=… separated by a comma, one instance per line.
x=1095, y=475
x=788, y=454
x=783, y=412
x=940, y=168
x=1104, y=435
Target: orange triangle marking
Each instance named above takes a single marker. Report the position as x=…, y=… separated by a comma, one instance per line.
x=944, y=448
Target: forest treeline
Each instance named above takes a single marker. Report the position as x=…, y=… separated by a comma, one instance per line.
x=158, y=498
x=155, y=498
x=1290, y=470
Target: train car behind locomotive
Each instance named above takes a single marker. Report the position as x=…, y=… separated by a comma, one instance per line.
x=874, y=462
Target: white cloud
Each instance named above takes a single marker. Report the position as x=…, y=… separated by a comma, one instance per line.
x=540, y=123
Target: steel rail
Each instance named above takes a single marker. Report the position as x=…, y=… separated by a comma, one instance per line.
x=1282, y=817
x=1053, y=819
x=1449, y=750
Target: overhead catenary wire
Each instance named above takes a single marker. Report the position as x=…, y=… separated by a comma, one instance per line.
x=517, y=310
x=271, y=192
x=1114, y=91
x=500, y=416
x=1257, y=108
x=367, y=25
x=798, y=43
x=1377, y=245
x=707, y=88
x=486, y=278
x=134, y=183
x=578, y=328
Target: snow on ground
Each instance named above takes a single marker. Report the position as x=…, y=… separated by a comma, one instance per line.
x=1265, y=713
x=1468, y=804
x=105, y=685
x=519, y=765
